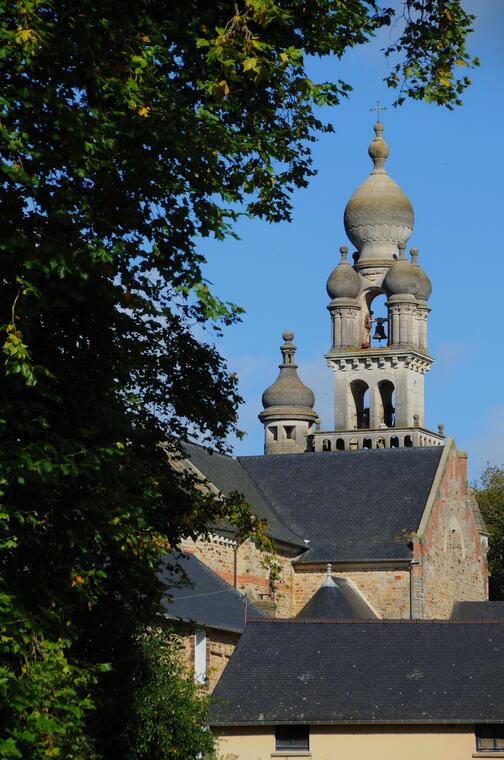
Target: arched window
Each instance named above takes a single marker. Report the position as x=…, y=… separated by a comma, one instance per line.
x=394, y=442
x=367, y=443
x=340, y=444
x=408, y=442
x=376, y=301
x=387, y=398
x=326, y=444
x=360, y=395
x=380, y=442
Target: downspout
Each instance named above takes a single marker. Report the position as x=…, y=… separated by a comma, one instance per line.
x=411, y=589
x=235, y=562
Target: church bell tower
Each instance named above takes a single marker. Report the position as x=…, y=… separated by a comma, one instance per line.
x=379, y=360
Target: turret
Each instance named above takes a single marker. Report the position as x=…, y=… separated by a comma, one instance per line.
x=288, y=415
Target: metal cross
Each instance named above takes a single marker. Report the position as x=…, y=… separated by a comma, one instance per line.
x=378, y=108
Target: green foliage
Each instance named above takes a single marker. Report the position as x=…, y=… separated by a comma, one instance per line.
x=129, y=132
x=489, y=494
x=167, y=709
x=47, y=695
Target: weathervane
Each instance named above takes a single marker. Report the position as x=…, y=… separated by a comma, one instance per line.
x=378, y=108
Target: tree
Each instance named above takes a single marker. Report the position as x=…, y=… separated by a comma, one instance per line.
x=129, y=132
x=166, y=708
x=489, y=493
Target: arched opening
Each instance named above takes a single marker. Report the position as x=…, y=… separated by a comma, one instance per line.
x=340, y=444
x=326, y=444
x=408, y=442
x=387, y=398
x=360, y=395
x=378, y=336
x=380, y=442
x=367, y=443
x=394, y=442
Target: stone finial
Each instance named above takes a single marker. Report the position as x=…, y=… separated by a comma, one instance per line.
x=440, y=428
x=288, y=349
x=416, y=420
x=344, y=252
x=328, y=581
x=401, y=246
x=414, y=256
x=378, y=150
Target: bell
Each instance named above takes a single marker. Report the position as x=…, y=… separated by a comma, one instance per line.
x=379, y=333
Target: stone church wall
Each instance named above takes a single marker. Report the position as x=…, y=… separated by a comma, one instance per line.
x=453, y=564
x=386, y=591
x=220, y=645
x=252, y=572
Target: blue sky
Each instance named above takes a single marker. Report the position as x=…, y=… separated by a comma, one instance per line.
x=450, y=164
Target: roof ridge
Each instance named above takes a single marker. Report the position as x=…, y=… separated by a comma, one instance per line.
x=374, y=621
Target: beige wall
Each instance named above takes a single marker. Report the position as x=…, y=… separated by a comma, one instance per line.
x=356, y=743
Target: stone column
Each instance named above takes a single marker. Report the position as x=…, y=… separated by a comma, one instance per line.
x=423, y=310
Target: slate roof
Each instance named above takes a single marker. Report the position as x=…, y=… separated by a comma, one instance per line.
x=376, y=672
x=227, y=474
x=204, y=598
x=349, y=505
x=478, y=611
x=341, y=601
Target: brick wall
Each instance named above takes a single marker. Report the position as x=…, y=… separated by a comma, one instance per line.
x=452, y=564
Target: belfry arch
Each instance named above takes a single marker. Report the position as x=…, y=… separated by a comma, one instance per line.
x=386, y=403
x=359, y=391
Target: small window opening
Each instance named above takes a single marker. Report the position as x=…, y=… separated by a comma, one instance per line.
x=490, y=737
x=292, y=738
x=380, y=443
x=200, y=656
x=290, y=432
x=408, y=441
x=274, y=432
x=367, y=443
x=394, y=442
x=326, y=444
x=340, y=444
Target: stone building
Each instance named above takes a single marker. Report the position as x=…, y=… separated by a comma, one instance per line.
x=381, y=499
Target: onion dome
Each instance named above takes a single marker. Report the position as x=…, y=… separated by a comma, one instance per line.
x=425, y=285
x=343, y=282
x=288, y=391
x=378, y=216
x=402, y=278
